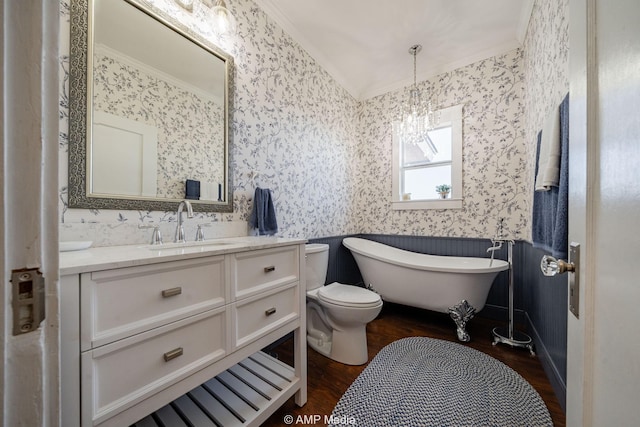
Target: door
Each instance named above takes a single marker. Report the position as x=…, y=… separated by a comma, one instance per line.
x=603, y=367
x=28, y=212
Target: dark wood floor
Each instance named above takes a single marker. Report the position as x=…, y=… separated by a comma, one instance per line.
x=328, y=380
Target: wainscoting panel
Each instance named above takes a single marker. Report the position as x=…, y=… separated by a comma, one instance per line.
x=540, y=302
x=546, y=302
x=342, y=266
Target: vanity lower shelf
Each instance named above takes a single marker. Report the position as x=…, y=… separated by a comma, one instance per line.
x=245, y=394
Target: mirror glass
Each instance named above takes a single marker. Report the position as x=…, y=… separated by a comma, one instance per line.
x=154, y=101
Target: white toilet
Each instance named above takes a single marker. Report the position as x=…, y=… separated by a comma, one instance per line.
x=337, y=315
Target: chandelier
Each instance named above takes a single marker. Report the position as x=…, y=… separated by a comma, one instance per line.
x=418, y=116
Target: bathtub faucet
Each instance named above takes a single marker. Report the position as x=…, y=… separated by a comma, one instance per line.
x=500, y=228
x=497, y=245
x=498, y=240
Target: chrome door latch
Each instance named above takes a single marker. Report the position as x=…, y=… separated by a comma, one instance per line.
x=27, y=300
x=551, y=267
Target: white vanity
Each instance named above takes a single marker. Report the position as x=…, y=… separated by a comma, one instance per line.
x=146, y=330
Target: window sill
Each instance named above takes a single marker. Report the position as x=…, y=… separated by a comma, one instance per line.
x=427, y=204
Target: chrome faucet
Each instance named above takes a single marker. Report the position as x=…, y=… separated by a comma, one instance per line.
x=498, y=240
x=179, y=228
x=497, y=245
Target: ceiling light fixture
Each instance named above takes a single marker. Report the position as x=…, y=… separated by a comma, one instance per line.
x=418, y=115
x=222, y=21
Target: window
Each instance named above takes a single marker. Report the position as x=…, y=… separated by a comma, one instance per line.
x=415, y=176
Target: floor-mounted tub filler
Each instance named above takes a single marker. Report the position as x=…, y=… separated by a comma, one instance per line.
x=447, y=284
x=508, y=335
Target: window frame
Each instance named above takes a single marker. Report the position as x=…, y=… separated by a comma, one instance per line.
x=451, y=115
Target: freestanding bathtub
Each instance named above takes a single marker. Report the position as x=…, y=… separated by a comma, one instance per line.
x=455, y=285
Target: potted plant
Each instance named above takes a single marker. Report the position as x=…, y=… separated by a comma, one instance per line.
x=444, y=190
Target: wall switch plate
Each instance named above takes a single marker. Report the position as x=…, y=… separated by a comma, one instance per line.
x=28, y=300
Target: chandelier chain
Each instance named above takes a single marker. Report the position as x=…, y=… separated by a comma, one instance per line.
x=415, y=84
x=418, y=116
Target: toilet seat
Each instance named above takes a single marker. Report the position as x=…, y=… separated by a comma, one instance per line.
x=348, y=296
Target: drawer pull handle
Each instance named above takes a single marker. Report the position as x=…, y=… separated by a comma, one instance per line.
x=270, y=311
x=170, y=355
x=269, y=269
x=172, y=292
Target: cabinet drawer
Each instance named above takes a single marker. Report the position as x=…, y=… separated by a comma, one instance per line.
x=259, y=315
x=122, y=302
x=119, y=375
x=255, y=271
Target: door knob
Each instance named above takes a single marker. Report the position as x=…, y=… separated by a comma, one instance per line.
x=551, y=266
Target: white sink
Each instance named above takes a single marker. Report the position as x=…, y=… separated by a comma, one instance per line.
x=76, y=245
x=186, y=245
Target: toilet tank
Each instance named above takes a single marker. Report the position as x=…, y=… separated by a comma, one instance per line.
x=317, y=256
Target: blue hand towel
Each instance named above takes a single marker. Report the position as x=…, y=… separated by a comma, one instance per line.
x=192, y=189
x=550, y=225
x=263, y=214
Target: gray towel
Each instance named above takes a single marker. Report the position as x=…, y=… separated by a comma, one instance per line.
x=263, y=214
x=548, y=174
x=550, y=225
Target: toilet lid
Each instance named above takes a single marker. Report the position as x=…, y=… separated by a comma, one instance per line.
x=347, y=295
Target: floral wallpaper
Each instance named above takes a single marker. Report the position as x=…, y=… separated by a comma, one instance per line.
x=190, y=138
x=494, y=155
x=327, y=157
x=546, y=61
x=294, y=131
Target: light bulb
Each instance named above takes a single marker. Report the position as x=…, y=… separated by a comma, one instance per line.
x=222, y=20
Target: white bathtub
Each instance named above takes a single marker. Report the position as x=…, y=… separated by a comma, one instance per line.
x=431, y=282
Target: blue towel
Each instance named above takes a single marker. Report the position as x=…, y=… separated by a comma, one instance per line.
x=550, y=225
x=263, y=215
x=192, y=190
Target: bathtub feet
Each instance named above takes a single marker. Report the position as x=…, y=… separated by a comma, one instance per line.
x=461, y=313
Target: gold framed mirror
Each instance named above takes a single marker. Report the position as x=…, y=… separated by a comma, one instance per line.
x=149, y=111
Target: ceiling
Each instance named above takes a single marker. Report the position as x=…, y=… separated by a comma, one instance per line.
x=364, y=44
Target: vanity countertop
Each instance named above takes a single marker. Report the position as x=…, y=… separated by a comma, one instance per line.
x=110, y=257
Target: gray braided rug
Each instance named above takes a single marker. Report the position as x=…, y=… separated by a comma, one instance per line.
x=428, y=382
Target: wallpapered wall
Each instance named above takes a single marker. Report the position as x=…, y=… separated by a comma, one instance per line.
x=188, y=146
x=327, y=157
x=294, y=131
x=494, y=156
x=546, y=59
